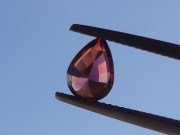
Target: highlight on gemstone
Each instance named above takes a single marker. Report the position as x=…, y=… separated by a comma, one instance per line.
x=90, y=75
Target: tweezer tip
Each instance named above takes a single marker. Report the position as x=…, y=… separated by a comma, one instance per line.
x=73, y=27
x=60, y=96
x=79, y=28
x=56, y=94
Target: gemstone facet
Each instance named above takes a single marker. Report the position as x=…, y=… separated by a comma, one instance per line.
x=90, y=75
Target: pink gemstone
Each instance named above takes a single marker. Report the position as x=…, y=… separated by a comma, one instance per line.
x=91, y=73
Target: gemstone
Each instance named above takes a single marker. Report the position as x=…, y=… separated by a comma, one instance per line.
x=90, y=75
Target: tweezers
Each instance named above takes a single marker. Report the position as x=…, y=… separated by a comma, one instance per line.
x=150, y=121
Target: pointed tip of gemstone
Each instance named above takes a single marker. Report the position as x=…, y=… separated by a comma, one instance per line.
x=91, y=73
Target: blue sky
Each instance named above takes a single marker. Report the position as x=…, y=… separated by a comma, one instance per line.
x=36, y=48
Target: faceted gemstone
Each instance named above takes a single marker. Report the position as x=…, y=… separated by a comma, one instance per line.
x=91, y=73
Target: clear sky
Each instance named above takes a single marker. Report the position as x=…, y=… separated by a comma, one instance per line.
x=36, y=48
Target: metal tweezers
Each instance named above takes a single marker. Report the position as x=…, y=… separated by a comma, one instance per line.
x=143, y=119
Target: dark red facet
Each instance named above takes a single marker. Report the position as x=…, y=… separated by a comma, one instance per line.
x=91, y=73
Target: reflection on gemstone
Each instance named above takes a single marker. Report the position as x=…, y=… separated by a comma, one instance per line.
x=91, y=73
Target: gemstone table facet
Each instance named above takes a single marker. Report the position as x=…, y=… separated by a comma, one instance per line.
x=91, y=73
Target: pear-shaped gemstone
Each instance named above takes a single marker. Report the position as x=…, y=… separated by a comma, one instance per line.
x=91, y=73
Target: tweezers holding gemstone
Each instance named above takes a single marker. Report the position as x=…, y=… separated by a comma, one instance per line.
x=91, y=73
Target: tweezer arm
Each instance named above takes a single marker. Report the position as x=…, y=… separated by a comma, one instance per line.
x=146, y=120
x=139, y=42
